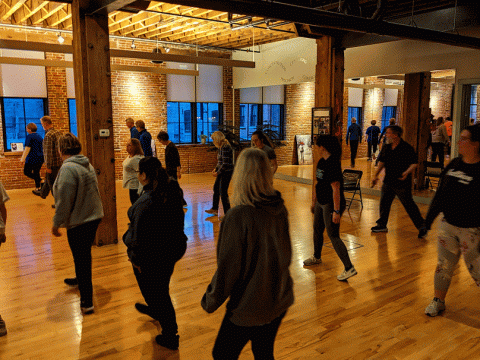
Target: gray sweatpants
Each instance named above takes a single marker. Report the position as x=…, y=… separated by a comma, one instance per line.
x=452, y=242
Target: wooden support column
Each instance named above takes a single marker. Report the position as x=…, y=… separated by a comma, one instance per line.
x=416, y=118
x=91, y=58
x=329, y=82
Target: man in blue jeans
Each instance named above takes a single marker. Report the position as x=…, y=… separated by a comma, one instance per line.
x=354, y=134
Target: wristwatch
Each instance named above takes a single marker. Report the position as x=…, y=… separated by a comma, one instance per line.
x=337, y=211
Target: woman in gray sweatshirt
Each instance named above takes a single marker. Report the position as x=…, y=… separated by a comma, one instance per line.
x=78, y=207
x=253, y=256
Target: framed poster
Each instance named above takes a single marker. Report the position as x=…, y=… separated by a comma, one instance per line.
x=321, y=121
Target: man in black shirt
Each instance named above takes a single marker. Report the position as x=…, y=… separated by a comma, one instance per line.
x=400, y=161
x=172, y=158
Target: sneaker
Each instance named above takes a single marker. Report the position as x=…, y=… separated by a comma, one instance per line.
x=168, y=341
x=422, y=232
x=347, y=273
x=87, y=309
x=312, y=261
x=3, y=328
x=212, y=211
x=71, y=281
x=36, y=192
x=379, y=228
x=435, y=307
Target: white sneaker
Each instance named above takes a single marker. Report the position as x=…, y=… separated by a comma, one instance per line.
x=434, y=308
x=346, y=274
x=312, y=261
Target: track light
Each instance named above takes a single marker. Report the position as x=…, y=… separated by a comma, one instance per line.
x=60, y=38
x=167, y=49
x=133, y=44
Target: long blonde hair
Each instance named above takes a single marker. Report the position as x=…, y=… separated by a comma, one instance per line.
x=252, y=178
x=219, y=139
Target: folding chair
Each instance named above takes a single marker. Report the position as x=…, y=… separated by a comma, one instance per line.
x=432, y=170
x=351, y=184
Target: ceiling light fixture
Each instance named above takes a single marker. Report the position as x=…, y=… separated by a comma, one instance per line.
x=60, y=38
x=133, y=45
x=167, y=49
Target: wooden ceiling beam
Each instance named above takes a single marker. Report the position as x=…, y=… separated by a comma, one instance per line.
x=13, y=8
x=30, y=11
x=68, y=49
x=51, y=9
x=62, y=16
x=107, y=6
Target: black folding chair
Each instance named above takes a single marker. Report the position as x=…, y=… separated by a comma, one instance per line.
x=432, y=170
x=351, y=184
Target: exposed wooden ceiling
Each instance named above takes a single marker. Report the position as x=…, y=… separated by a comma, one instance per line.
x=194, y=25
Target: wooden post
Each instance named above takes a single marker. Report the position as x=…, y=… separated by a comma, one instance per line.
x=416, y=117
x=91, y=58
x=329, y=82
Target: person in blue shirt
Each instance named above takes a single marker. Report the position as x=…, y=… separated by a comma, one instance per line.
x=145, y=138
x=134, y=134
x=372, y=139
x=354, y=134
x=33, y=156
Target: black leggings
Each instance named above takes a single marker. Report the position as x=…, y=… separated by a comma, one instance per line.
x=231, y=339
x=220, y=189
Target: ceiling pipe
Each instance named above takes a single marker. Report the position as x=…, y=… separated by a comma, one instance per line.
x=333, y=20
x=377, y=15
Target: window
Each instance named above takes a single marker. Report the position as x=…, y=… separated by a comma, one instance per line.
x=208, y=119
x=388, y=112
x=248, y=120
x=72, y=114
x=270, y=116
x=17, y=113
x=273, y=118
x=473, y=102
x=355, y=112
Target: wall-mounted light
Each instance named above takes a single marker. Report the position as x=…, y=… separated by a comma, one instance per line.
x=167, y=49
x=133, y=45
x=60, y=38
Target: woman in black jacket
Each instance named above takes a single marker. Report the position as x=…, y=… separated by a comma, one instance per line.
x=156, y=241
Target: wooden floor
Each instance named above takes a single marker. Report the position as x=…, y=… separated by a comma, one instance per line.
x=378, y=314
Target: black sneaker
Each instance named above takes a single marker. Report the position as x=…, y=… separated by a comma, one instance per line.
x=36, y=192
x=379, y=228
x=87, y=308
x=168, y=341
x=71, y=281
x=422, y=232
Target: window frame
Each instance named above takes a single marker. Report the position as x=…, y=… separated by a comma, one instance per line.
x=385, y=119
x=260, y=120
x=358, y=117
x=194, y=138
x=70, y=117
x=4, y=127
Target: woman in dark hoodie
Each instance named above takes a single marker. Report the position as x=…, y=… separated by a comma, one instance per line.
x=156, y=241
x=253, y=256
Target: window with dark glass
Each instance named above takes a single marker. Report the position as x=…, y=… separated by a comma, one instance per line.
x=473, y=102
x=72, y=115
x=355, y=112
x=270, y=116
x=17, y=113
x=187, y=122
x=388, y=112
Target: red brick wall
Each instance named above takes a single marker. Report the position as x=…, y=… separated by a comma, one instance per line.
x=299, y=100
x=441, y=99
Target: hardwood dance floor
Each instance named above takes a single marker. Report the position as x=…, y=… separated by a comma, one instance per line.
x=377, y=314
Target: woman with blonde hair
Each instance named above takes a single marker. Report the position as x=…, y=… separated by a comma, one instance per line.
x=223, y=173
x=130, y=168
x=253, y=256
x=78, y=207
